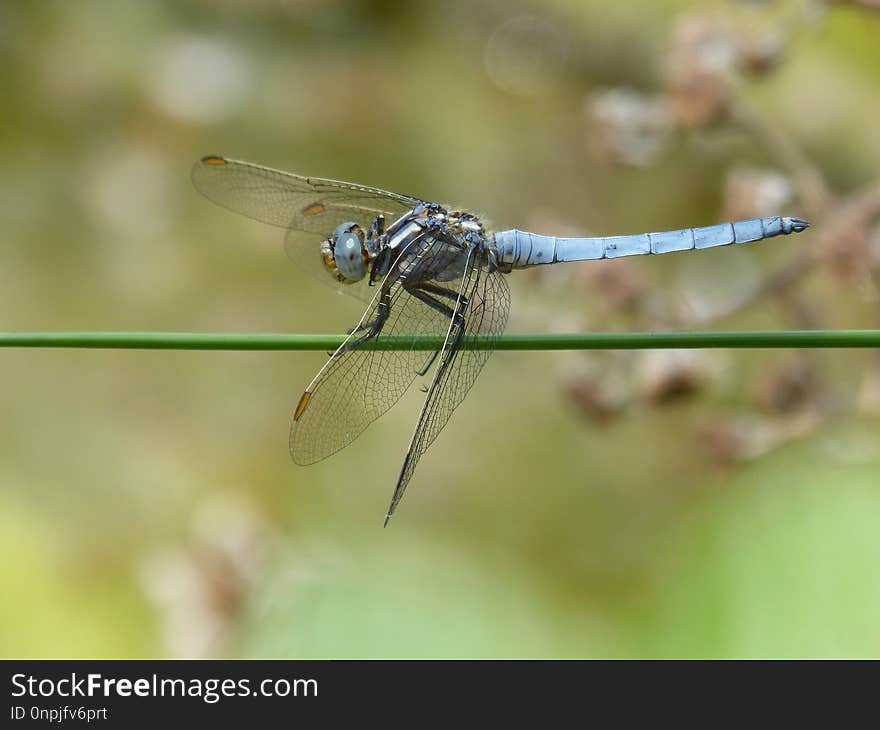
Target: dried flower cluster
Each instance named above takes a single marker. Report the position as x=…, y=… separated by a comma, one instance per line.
x=709, y=63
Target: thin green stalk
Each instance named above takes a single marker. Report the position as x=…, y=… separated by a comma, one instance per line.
x=585, y=341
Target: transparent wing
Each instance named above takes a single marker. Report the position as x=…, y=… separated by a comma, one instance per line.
x=484, y=307
x=356, y=386
x=310, y=207
x=287, y=200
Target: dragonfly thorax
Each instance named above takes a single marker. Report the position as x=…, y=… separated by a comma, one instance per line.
x=350, y=253
x=345, y=253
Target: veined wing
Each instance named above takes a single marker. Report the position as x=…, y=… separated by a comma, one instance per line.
x=356, y=386
x=483, y=304
x=310, y=207
x=285, y=199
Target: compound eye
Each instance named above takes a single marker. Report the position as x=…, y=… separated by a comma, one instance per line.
x=348, y=253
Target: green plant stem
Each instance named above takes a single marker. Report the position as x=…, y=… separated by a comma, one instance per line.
x=586, y=341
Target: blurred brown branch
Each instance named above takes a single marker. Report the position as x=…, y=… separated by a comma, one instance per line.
x=706, y=66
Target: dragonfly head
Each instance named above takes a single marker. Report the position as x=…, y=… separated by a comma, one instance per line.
x=345, y=253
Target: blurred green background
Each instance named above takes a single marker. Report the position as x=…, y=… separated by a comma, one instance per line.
x=577, y=505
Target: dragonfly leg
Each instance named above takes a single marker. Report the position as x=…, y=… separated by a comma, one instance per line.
x=454, y=296
x=419, y=293
x=427, y=366
x=423, y=293
x=372, y=328
x=458, y=317
x=459, y=333
x=442, y=292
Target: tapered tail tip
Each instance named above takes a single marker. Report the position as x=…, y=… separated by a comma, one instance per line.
x=796, y=225
x=387, y=517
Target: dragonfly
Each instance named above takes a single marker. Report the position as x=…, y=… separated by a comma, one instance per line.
x=424, y=270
